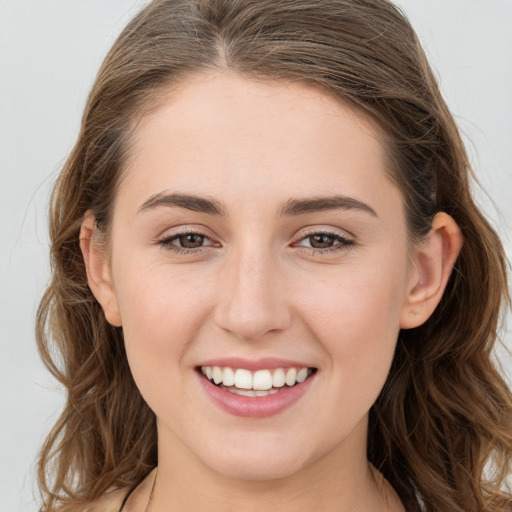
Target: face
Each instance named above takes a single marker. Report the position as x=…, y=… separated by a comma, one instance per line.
x=256, y=228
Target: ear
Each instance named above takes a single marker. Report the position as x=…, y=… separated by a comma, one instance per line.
x=98, y=269
x=434, y=260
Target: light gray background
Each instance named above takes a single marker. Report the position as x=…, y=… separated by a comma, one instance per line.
x=49, y=53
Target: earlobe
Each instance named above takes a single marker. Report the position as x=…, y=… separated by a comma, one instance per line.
x=434, y=260
x=98, y=269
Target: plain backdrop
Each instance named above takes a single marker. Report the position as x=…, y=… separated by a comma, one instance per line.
x=50, y=51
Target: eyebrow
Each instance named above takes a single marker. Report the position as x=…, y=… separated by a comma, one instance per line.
x=190, y=202
x=290, y=208
x=323, y=203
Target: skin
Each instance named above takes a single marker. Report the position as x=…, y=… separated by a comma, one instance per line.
x=259, y=289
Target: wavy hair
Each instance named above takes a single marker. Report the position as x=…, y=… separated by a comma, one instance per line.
x=441, y=429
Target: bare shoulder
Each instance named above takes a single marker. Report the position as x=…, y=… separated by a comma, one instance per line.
x=109, y=502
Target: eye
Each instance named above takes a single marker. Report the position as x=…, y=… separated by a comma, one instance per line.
x=323, y=242
x=190, y=240
x=186, y=242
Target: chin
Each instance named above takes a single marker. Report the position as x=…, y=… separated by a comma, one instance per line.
x=257, y=460
x=257, y=468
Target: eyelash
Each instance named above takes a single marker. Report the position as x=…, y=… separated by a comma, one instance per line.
x=343, y=243
x=166, y=243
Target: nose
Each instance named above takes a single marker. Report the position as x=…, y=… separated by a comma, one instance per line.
x=253, y=301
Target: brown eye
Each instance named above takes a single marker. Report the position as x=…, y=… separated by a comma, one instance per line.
x=325, y=242
x=191, y=240
x=321, y=241
x=191, y=243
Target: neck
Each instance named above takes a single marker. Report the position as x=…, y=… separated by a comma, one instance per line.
x=340, y=481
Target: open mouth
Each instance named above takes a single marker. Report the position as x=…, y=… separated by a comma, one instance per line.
x=241, y=381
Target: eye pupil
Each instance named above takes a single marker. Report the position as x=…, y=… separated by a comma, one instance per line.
x=321, y=241
x=191, y=241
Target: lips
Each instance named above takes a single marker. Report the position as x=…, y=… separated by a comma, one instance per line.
x=257, y=392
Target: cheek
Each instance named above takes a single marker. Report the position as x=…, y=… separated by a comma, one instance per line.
x=355, y=316
x=160, y=315
x=351, y=305
x=356, y=323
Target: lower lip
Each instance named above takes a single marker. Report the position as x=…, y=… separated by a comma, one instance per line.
x=258, y=406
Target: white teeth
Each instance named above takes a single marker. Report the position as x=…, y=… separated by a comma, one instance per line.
x=228, y=377
x=291, y=376
x=243, y=379
x=251, y=392
x=302, y=374
x=217, y=374
x=278, y=379
x=261, y=381
x=243, y=392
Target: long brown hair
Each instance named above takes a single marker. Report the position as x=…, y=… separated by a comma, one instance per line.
x=441, y=429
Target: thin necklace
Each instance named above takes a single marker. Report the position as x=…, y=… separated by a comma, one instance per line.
x=151, y=493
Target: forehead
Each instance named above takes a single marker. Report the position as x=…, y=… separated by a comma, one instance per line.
x=220, y=132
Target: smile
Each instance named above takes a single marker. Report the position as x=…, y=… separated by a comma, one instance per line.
x=255, y=393
x=258, y=383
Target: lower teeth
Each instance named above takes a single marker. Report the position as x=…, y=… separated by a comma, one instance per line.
x=250, y=392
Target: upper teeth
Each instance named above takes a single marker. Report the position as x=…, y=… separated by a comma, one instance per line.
x=259, y=380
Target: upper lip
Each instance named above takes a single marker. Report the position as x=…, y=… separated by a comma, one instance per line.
x=265, y=363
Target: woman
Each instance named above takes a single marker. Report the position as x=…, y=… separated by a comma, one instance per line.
x=271, y=284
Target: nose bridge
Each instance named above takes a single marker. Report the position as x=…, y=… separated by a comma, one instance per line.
x=253, y=298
